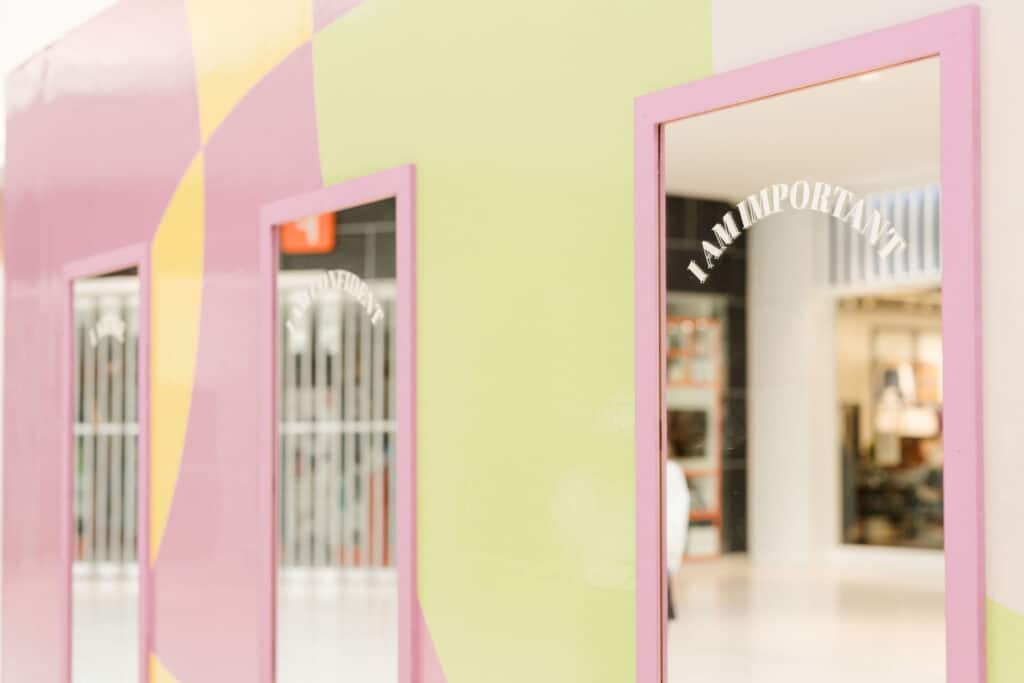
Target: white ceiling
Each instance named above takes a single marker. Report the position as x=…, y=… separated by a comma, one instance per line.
x=864, y=133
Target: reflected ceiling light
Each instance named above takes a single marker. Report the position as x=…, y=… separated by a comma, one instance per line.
x=869, y=77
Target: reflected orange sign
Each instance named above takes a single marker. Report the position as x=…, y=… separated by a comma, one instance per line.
x=309, y=235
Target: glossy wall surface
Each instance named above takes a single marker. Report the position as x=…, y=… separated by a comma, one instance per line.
x=173, y=121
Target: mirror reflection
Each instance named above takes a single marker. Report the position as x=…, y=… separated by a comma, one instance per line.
x=105, y=587
x=803, y=391
x=337, y=591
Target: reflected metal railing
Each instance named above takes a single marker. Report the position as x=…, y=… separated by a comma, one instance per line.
x=915, y=213
x=106, y=422
x=337, y=428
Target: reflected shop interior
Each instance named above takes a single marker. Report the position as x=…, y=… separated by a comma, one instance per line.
x=803, y=388
x=105, y=478
x=337, y=589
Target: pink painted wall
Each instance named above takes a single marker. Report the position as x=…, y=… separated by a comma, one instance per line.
x=72, y=132
x=98, y=162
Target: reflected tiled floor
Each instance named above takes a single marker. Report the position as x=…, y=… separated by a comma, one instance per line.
x=104, y=646
x=740, y=623
x=328, y=625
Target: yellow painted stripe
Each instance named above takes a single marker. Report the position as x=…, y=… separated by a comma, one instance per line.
x=176, y=298
x=158, y=673
x=235, y=43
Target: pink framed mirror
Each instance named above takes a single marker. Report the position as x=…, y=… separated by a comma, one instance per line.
x=338, y=338
x=762, y=298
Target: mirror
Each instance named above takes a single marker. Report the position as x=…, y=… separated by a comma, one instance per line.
x=337, y=590
x=105, y=506
x=803, y=359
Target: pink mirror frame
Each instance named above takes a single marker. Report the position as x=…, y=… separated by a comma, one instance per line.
x=953, y=37
x=138, y=256
x=399, y=183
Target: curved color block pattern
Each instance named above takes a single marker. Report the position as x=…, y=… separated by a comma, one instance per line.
x=326, y=12
x=177, y=274
x=235, y=43
x=430, y=668
x=158, y=673
x=1005, y=644
x=216, y=533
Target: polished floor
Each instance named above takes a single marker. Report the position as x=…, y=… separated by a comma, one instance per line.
x=104, y=628
x=328, y=625
x=744, y=623
x=739, y=623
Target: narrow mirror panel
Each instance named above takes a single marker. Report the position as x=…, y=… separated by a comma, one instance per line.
x=337, y=591
x=105, y=575
x=803, y=386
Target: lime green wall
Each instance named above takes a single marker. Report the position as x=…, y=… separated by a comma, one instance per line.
x=518, y=116
x=1005, y=644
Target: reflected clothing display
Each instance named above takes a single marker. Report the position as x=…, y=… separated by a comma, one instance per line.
x=889, y=362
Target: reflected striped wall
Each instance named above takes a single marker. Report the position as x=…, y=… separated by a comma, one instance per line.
x=915, y=215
